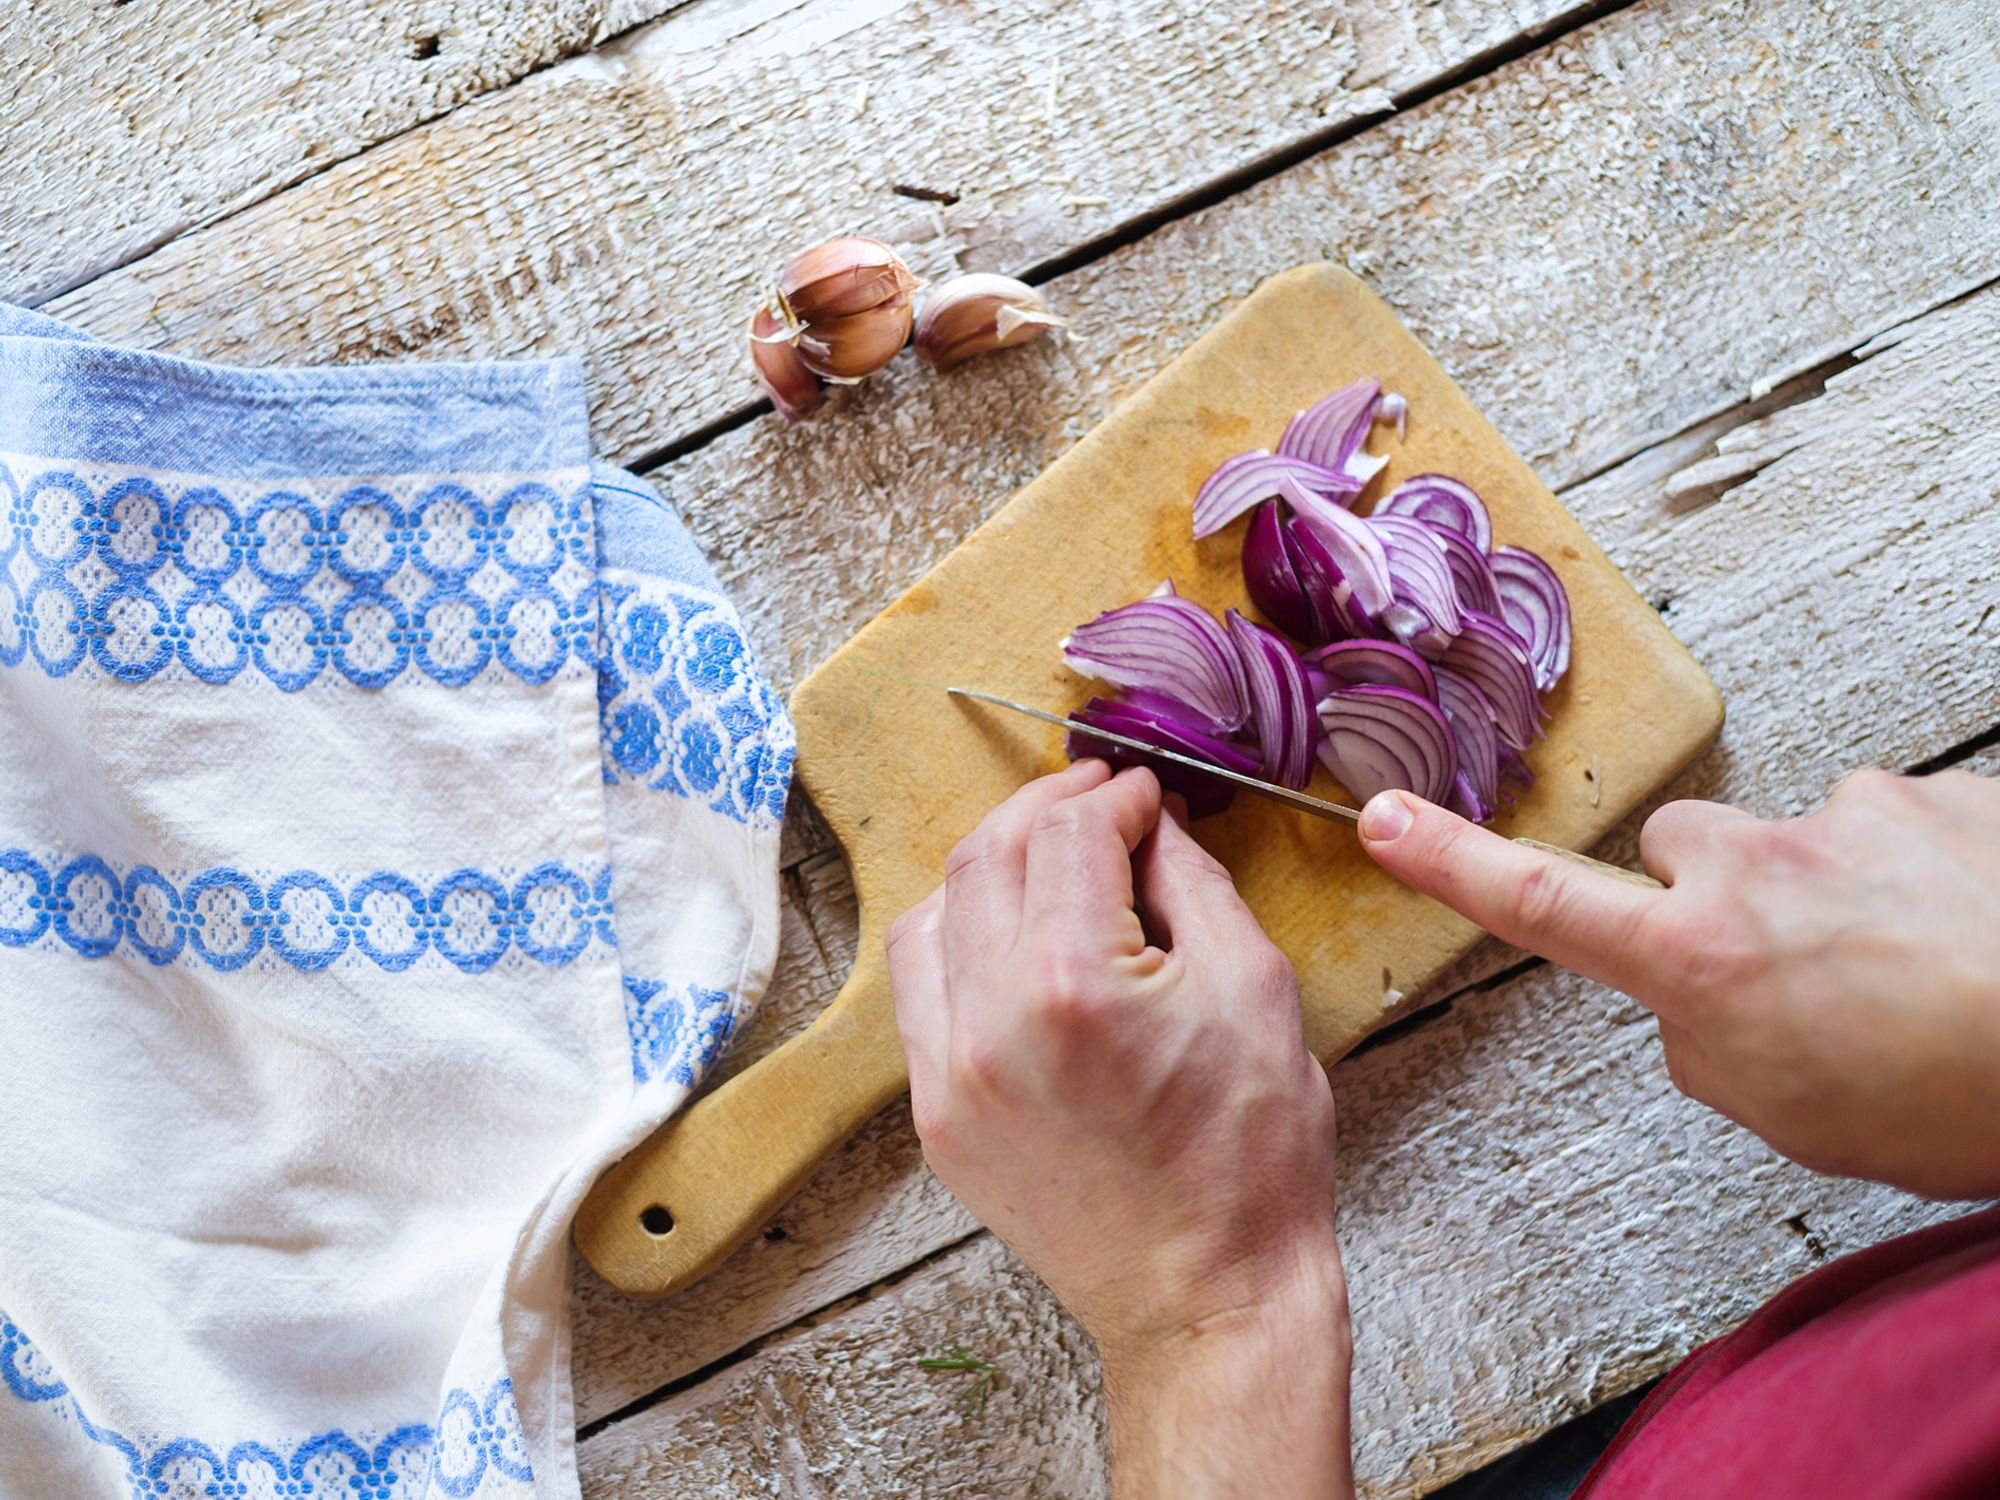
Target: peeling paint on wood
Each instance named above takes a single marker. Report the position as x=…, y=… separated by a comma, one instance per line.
x=631, y=204
x=1526, y=1136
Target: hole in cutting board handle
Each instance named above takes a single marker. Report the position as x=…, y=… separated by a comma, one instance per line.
x=656, y=1221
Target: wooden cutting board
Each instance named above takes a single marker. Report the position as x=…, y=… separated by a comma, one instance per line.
x=900, y=772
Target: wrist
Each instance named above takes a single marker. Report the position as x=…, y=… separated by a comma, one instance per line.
x=1251, y=1400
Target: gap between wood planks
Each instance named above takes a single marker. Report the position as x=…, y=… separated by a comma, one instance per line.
x=1209, y=194
x=1683, y=453
x=1666, y=456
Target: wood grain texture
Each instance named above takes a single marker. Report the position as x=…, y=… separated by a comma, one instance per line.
x=631, y=204
x=875, y=730
x=126, y=125
x=1605, y=243
x=1816, y=688
x=1532, y=1222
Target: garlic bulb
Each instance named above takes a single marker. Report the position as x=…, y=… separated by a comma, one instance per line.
x=969, y=315
x=846, y=306
x=793, y=388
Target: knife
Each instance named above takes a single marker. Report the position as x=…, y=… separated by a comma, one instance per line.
x=1319, y=807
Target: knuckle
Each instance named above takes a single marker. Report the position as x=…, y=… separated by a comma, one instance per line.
x=978, y=1065
x=1543, y=897
x=1062, y=820
x=1270, y=972
x=975, y=848
x=1065, y=993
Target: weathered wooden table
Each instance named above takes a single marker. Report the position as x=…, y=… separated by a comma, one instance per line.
x=1725, y=272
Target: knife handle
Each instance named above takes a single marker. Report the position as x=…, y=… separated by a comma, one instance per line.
x=708, y=1179
x=1630, y=877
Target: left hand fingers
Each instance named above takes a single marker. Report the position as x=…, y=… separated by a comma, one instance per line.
x=1079, y=870
x=985, y=874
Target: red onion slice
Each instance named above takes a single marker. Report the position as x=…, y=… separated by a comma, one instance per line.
x=1471, y=716
x=1168, y=645
x=1331, y=433
x=1350, y=663
x=1426, y=610
x=1471, y=571
x=1355, y=551
x=1250, y=478
x=1495, y=660
x=1339, y=612
x=1442, y=501
x=1271, y=575
x=1533, y=602
x=1380, y=737
x=1281, y=709
x=1204, y=794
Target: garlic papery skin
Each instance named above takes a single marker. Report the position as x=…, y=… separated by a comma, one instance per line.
x=846, y=350
x=781, y=370
x=846, y=305
x=841, y=278
x=972, y=314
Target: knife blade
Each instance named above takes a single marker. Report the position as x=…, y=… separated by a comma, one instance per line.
x=1317, y=806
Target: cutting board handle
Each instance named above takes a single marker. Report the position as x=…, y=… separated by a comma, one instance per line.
x=675, y=1208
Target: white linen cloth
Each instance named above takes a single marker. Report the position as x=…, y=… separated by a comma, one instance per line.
x=388, y=841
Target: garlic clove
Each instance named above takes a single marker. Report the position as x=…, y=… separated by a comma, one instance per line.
x=848, y=349
x=972, y=314
x=781, y=370
x=841, y=278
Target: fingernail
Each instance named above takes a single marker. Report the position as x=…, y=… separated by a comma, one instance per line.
x=1385, y=818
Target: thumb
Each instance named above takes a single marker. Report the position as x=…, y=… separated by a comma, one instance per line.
x=1583, y=920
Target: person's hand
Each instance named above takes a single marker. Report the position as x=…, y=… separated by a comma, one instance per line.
x=1107, y=1067
x=1832, y=982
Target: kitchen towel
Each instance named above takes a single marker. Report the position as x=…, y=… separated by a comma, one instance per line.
x=388, y=841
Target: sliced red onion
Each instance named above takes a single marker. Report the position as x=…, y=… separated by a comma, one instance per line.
x=1515, y=777
x=1425, y=611
x=1204, y=794
x=1379, y=737
x=1251, y=478
x=1354, y=550
x=1271, y=574
x=1281, y=708
x=1326, y=588
x=1165, y=644
x=1349, y=663
x=1393, y=408
x=1471, y=716
x=1533, y=602
x=1496, y=662
x=1331, y=433
x=1471, y=572
x=1443, y=501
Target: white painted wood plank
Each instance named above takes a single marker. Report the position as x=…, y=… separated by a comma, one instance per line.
x=1605, y=243
x=1532, y=1221
x=1815, y=688
x=630, y=204
x=125, y=125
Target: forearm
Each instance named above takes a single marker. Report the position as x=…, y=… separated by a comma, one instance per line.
x=1255, y=1410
